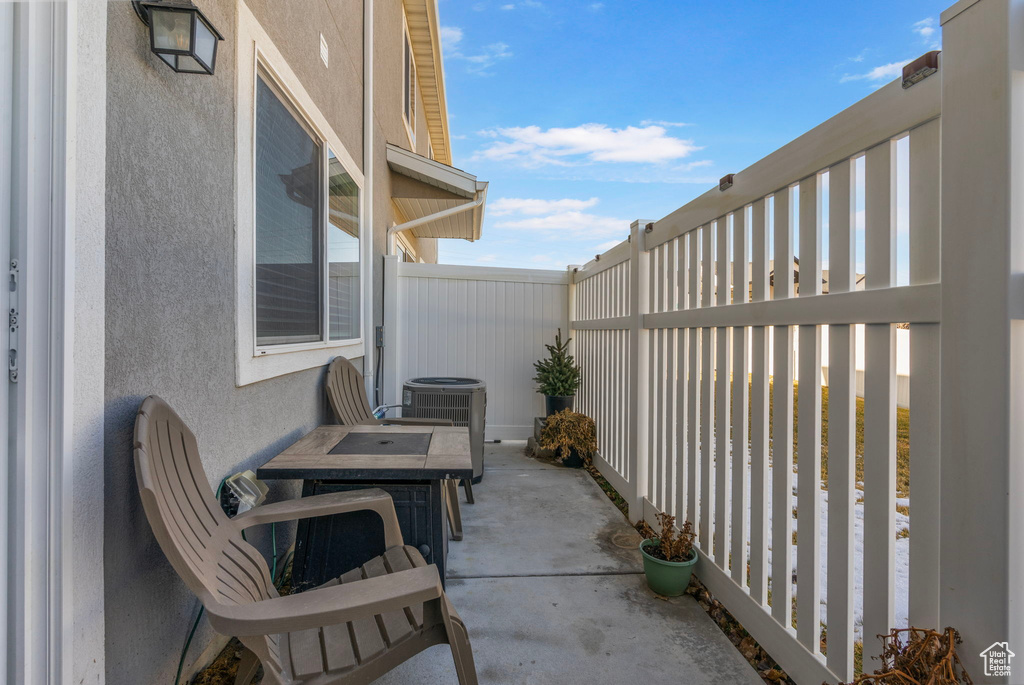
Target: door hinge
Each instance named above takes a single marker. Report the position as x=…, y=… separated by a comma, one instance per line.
x=13, y=323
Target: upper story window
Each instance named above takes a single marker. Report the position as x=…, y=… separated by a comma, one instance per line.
x=307, y=285
x=408, y=85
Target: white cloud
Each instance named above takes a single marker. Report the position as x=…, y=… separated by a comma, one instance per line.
x=605, y=246
x=555, y=217
x=451, y=36
x=690, y=166
x=885, y=72
x=925, y=28
x=477, y=61
x=595, y=6
x=515, y=205
x=508, y=7
x=540, y=258
x=569, y=222
x=487, y=258
x=532, y=146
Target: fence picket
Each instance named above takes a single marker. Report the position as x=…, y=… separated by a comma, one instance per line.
x=880, y=397
x=707, y=407
x=693, y=387
x=782, y=421
x=841, y=427
x=722, y=441
x=925, y=388
x=759, y=411
x=809, y=429
x=740, y=397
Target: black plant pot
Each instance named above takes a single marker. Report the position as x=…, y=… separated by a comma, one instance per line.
x=574, y=460
x=555, y=404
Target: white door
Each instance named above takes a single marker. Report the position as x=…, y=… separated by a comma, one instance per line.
x=6, y=439
x=34, y=235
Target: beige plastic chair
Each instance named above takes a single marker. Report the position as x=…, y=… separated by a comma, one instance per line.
x=347, y=395
x=351, y=630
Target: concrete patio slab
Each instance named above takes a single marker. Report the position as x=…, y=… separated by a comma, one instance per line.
x=509, y=455
x=540, y=521
x=564, y=630
x=549, y=582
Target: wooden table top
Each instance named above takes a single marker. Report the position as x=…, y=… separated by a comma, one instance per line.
x=448, y=456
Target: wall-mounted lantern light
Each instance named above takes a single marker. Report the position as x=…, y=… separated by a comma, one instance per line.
x=180, y=35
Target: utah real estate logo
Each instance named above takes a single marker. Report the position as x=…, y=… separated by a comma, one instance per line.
x=997, y=660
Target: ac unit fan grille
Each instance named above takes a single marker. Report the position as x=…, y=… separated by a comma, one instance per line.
x=436, y=405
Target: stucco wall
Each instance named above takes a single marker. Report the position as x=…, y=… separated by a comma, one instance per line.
x=89, y=146
x=170, y=309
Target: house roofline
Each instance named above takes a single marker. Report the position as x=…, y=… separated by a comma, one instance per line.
x=425, y=34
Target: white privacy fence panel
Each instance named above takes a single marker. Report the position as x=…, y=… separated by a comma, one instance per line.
x=480, y=322
x=711, y=347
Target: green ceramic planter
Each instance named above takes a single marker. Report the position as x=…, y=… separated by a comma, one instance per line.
x=666, y=578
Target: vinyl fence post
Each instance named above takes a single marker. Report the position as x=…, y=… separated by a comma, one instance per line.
x=639, y=370
x=982, y=338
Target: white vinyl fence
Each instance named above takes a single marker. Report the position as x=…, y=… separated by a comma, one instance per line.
x=480, y=322
x=683, y=345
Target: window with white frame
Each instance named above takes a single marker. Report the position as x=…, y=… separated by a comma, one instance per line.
x=307, y=285
x=408, y=85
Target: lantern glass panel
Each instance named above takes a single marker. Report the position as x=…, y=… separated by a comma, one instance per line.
x=187, y=64
x=172, y=29
x=206, y=43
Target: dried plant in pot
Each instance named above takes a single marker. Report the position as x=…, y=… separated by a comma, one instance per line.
x=669, y=557
x=573, y=437
x=558, y=376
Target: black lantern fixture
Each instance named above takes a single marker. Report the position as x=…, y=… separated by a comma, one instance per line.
x=180, y=35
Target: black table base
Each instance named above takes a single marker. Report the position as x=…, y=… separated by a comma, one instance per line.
x=328, y=546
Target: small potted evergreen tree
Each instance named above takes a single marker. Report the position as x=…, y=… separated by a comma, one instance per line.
x=669, y=557
x=558, y=376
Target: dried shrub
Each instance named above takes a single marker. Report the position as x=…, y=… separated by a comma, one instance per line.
x=566, y=431
x=673, y=545
x=915, y=656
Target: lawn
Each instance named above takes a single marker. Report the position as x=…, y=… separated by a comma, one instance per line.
x=902, y=439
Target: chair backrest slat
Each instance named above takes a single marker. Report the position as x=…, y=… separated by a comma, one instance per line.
x=194, y=532
x=347, y=394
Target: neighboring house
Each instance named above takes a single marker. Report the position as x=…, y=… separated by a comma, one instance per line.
x=858, y=282
x=224, y=242
x=858, y=279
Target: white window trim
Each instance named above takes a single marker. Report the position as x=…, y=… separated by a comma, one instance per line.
x=410, y=126
x=252, y=362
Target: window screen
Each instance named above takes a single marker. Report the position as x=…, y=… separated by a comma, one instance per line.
x=288, y=190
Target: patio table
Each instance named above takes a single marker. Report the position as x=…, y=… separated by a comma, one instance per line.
x=408, y=462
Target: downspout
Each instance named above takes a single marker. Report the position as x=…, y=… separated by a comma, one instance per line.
x=481, y=198
x=369, y=352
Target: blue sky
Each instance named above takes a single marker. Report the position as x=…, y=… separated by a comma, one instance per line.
x=586, y=115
